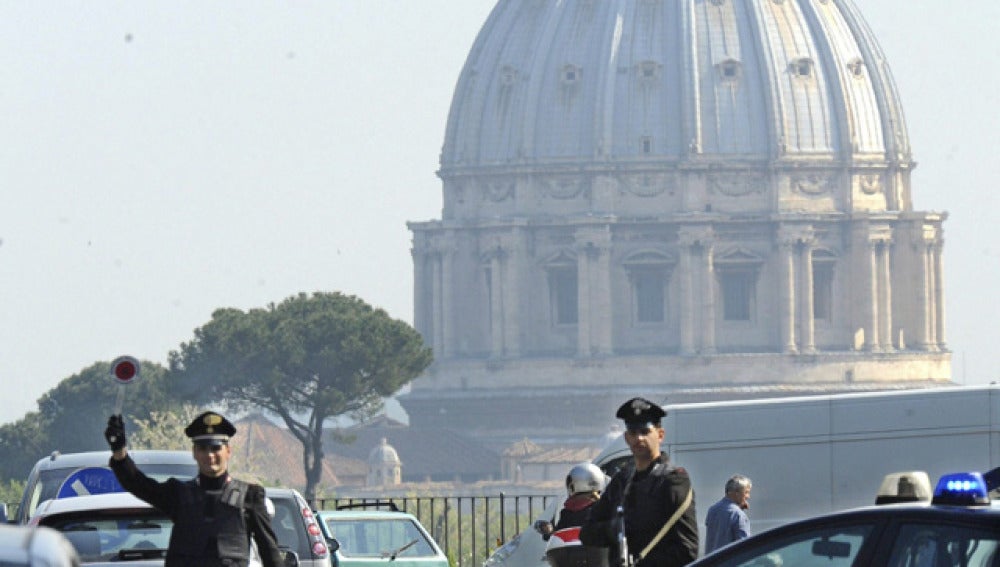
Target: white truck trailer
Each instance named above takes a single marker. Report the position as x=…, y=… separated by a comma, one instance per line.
x=812, y=455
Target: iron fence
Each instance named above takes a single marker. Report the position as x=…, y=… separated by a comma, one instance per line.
x=467, y=528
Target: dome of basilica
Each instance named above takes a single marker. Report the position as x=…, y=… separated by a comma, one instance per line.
x=657, y=89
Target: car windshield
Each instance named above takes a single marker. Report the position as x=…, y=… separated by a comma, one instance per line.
x=378, y=537
x=116, y=536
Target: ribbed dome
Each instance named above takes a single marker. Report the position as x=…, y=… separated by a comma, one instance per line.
x=383, y=453
x=667, y=84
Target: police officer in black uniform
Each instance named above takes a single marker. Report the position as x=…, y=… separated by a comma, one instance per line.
x=214, y=514
x=656, y=500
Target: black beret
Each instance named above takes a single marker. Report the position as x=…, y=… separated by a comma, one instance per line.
x=210, y=428
x=640, y=412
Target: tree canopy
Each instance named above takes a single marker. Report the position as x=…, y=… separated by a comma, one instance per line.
x=307, y=359
x=71, y=416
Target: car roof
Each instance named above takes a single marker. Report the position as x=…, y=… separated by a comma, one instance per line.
x=58, y=460
x=369, y=514
x=109, y=501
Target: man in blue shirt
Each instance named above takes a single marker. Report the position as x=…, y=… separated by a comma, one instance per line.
x=727, y=519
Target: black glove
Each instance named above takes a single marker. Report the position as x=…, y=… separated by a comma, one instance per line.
x=115, y=432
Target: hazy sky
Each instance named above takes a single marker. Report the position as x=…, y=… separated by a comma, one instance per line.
x=164, y=159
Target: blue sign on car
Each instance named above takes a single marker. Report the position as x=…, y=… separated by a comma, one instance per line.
x=89, y=480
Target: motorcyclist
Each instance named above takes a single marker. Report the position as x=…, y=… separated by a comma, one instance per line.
x=584, y=485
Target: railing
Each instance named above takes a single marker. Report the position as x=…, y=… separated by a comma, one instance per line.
x=468, y=528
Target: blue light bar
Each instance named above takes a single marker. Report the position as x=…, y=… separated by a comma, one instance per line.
x=961, y=489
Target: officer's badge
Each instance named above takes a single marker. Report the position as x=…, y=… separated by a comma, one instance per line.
x=639, y=406
x=210, y=421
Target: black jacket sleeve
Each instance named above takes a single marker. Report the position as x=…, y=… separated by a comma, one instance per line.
x=259, y=525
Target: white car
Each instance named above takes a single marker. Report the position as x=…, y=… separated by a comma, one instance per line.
x=23, y=546
x=109, y=528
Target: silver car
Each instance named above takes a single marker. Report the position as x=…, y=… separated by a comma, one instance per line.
x=295, y=525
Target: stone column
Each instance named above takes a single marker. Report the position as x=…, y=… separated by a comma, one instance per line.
x=512, y=295
x=420, y=322
x=687, y=300
x=787, y=243
x=496, y=304
x=885, y=296
x=939, y=295
x=708, y=300
x=583, y=300
x=924, y=298
x=808, y=314
x=601, y=320
x=871, y=325
x=437, y=325
x=447, y=295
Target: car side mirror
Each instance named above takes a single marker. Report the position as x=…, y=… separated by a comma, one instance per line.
x=291, y=559
x=332, y=544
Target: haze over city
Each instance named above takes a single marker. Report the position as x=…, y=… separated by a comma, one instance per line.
x=167, y=159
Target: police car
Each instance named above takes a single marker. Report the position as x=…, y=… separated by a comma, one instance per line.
x=959, y=526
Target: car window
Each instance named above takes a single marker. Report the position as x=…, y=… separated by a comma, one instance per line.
x=111, y=537
x=925, y=545
x=289, y=526
x=379, y=537
x=612, y=467
x=833, y=546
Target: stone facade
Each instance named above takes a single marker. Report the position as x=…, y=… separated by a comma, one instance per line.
x=718, y=196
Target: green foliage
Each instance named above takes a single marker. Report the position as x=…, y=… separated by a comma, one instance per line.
x=307, y=359
x=76, y=411
x=163, y=429
x=10, y=492
x=72, y=416
x=22, y=443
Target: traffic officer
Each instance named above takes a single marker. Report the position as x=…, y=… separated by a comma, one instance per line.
x=650, y=502
x=214, y=514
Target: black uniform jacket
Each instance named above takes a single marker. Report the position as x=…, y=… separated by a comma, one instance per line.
x=213, y=518
x=648, y=498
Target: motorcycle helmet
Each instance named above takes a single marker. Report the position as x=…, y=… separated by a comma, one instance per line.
x=585, y=477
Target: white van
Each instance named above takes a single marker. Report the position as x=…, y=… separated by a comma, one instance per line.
x=809, y=455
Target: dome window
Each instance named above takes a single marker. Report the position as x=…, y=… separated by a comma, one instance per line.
x=508, y=75
x=802, y=67
x=570, y=74
x=647, y=144
x=718, y=2
x=729, y=70
x=857, y=67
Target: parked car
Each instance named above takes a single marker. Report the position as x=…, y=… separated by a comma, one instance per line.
x=48, y=474
x=114, y=528
x=296, y=527
x=29, y=546
x=365, y=537
x=105, y=528
x=959, y=526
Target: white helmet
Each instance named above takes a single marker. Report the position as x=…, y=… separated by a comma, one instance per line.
x=585, y=477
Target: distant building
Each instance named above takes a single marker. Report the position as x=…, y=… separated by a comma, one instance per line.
x=384, y=466
x=689, y=201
